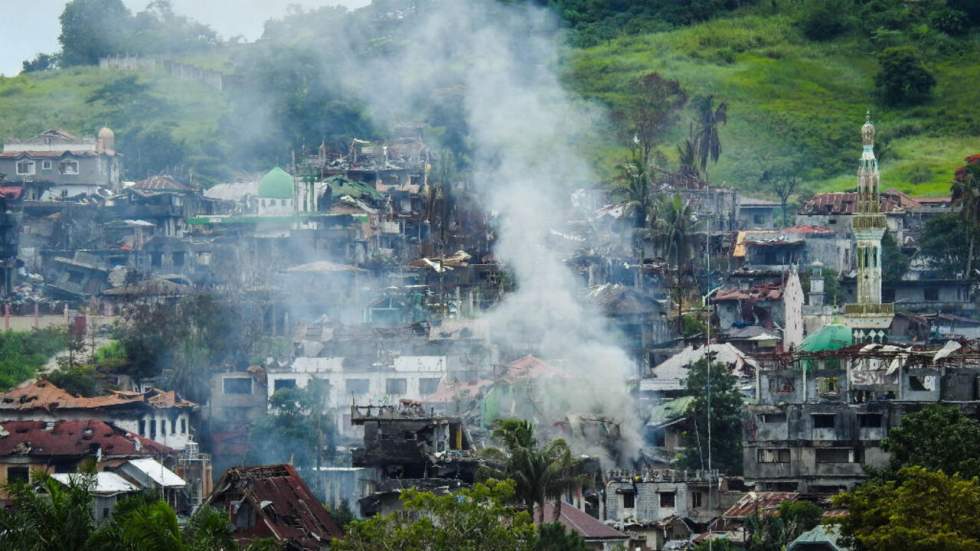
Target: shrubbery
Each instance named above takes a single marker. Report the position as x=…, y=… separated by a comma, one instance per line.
x=903, y=79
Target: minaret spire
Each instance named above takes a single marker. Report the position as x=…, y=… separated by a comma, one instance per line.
x=868, y=317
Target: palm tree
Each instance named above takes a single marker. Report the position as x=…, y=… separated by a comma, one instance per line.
x=966, y=195
x=709, y=118
x=675, y=227
x=634, y=183
x=541, y=474
x=46, y=515
x=687, y=156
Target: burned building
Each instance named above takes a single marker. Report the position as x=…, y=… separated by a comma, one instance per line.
x=272, y=501
x=406, y=441
x=822, y=414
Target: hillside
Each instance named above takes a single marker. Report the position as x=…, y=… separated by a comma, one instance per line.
x=789, y=97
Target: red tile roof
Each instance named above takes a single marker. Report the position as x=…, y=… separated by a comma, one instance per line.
x=283, y=503
x=583, y=524
x=74, y=439
x=46, y=396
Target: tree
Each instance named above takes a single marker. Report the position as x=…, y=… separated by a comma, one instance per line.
x=541, y=474
x=478, y=518
x=894, y=261
x=652, y=112
x=716, y=397
x=297, y=430
x=46, y=515
x=634, y=184
x=942, y=245
x=775, y=532
x=824, y=19
x=92, y=29
x=966, y=195
x=79, y=380
x=676, y=227
x=921, y=511
x=902, y=78
x=708, y=140
x=552, y=536
x=939, y=438
x=41, y=62
x=783, y=181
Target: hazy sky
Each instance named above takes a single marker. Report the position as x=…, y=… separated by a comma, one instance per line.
x=31, y=26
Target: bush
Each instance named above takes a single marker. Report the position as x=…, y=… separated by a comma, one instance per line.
x=902, y=78
x=825, y=19
x=949, y=21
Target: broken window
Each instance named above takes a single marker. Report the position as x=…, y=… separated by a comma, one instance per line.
x=834, y=455
x=917, y=383
x=781, y=385
x=428, y=386
x=238, y=385
x=25, y=168
x=827, y=386
x=163, y=427
x=869, y=420
x=777, y=455
x=667, y=499
x=183, y=426
x=823, y=420
x=396, y=387
x=772, y=418
x=696, y=498
x=629, y=500
x=18, y=475
x=153, y=429
x=931, y=294
x=68, y=167
x=142, y=429
x=280, y=384
x=173, y=426
x=357, y=387
x=75, y=277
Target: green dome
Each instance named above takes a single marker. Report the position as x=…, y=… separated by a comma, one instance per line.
x=833, y=336
x=276, y=184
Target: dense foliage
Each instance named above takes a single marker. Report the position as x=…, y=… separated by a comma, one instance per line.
x=944, y=245
x=478, y=518
x=939, y=438
x=775, y=532
x=93, y=29
x=23, y=353
x=922, y=510
x=46, y=515
x=903, y=78
x=297, y=430
x=716, y=395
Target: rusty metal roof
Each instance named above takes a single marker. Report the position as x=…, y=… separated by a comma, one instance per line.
x=283, y=501
x=761, y=503
x=844, y=202
x=586, y=526
x=162, y=183
x=74, y=438
x=43, y=395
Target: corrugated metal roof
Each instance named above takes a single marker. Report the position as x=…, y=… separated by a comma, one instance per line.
x=158, y=473
x=844, y=202
x=583, y=524
x=762, y=503
x=73, y=438
x=283, y=501
x=104, y=483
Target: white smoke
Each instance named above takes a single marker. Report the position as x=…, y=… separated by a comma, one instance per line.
x=525, y=131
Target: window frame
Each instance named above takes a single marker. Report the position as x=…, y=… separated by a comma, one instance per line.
x=237, y=380
x=32, y=165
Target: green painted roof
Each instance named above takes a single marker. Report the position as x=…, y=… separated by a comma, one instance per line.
x=340, y=186
x=669, y=411
x=276, y=184
x=833, y=336
x=821, y=537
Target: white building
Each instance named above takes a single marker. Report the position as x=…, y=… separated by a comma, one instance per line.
x=407, y=378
